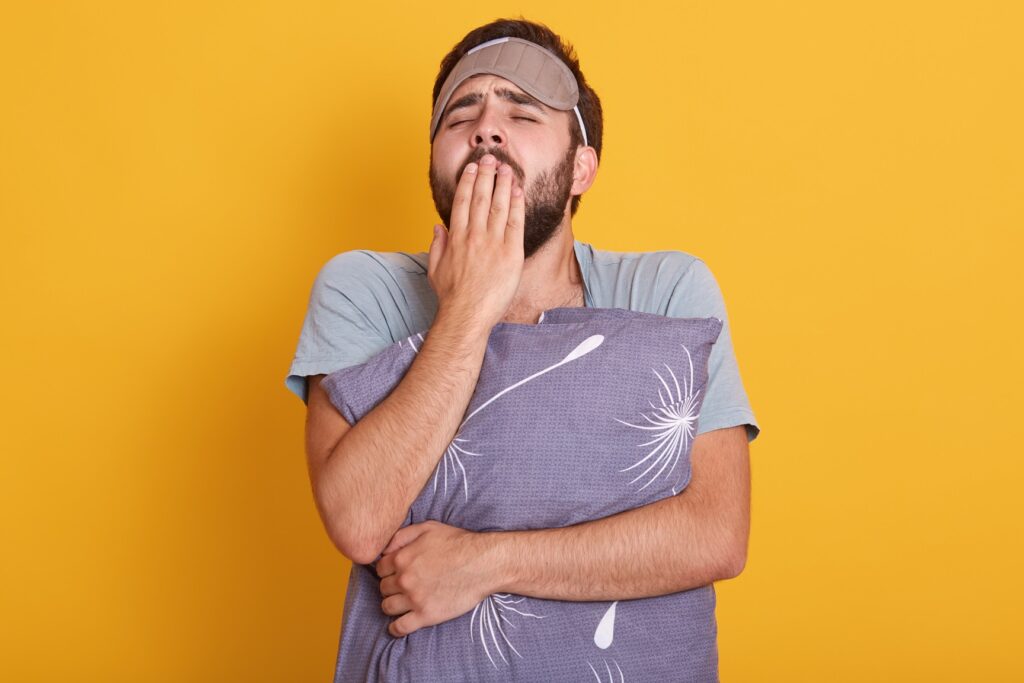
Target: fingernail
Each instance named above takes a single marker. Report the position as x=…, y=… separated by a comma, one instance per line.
x=487, y=159
x=471, y=168
x=504, y=169
x=516, y=191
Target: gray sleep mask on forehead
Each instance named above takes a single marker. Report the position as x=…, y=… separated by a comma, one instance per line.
x=533, y=68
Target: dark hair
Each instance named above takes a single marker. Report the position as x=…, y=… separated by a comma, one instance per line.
x=589, y=104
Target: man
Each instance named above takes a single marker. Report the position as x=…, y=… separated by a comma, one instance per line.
x=512, y=151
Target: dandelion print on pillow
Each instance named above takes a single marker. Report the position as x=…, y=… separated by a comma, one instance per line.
x=673, y=425
x=590, y=412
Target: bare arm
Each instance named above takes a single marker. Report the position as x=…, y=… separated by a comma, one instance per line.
x=366, y=477
x=434, y=572
x=692, y=539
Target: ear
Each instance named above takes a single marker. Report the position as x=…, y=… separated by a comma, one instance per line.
x=584, y=170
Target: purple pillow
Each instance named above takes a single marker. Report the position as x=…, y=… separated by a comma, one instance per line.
x=588, y=413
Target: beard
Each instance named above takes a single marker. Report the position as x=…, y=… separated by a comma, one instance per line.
x=546, y=198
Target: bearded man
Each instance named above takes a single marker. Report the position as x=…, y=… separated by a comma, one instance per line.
x=516, y=134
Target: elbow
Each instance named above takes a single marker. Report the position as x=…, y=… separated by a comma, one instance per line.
x=735, y=557
x=360, y=548
x=348, y=534
x=734, y=566
x=732, y=554
x=363, y=556
x=737, y=537
x=366, y=552
x=357, y=550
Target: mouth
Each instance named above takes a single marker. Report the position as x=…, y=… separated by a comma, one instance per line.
x=498, y=164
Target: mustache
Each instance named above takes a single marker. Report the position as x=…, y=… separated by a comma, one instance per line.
x=499, y=154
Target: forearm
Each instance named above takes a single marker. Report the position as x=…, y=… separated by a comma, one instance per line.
x=671, y=545
x=379, y=467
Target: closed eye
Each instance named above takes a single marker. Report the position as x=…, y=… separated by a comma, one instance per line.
x=521, y=118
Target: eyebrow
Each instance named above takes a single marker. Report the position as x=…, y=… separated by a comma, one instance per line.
x=513, y=96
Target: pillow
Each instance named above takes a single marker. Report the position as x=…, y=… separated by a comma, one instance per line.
x=588, y=413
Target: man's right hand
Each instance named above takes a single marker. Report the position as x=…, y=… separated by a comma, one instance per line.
x=476, y=264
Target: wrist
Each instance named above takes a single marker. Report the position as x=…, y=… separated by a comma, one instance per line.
x=497, y=552
x=466, y=322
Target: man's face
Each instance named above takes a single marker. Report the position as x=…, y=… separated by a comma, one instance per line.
x=490, y=114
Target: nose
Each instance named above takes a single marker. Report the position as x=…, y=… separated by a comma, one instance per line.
x=489, y=130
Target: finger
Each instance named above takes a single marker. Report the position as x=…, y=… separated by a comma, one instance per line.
x=395, y=604
x=516, y=217
x=500, y=200
x=460, y=203
x=480, y=204
x=404, y=625
x=389, y=585
x=386, y=566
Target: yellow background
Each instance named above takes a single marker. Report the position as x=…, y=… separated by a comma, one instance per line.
x=173, y=175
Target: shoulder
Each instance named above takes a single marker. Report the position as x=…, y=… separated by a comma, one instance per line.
x=389, y=289
x=664, y=260
x=660, y=270
x=644, y=280
x=380, y=275
x=696, y=293
x=358, y=263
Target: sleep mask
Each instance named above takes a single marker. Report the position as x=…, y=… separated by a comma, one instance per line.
x=533, y=68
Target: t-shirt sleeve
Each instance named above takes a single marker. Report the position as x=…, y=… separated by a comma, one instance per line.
x=344, y=324
x=725, y=404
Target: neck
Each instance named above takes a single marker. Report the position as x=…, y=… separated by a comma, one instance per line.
x=551, y=278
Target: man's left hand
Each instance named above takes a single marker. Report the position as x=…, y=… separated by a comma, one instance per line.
x=433, y=572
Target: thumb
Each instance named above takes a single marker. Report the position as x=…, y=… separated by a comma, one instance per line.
x=437, y=246
x=404, y=537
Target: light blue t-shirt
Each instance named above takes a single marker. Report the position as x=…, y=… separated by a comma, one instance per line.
x=363, y=301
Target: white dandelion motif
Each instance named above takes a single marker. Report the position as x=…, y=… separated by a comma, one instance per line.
x=452, y=459
x=605, y=632
x=418, y=335
x=451, y=455
x=674, y=424
x=611, y=678
x=491, y=611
